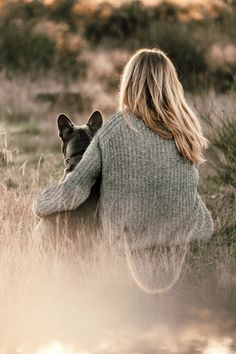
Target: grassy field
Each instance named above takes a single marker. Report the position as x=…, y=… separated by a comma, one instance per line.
x=53, y=294
x=65, y=57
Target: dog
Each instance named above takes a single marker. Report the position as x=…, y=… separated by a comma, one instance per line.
x=75, y=140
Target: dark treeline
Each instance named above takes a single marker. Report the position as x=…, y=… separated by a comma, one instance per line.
x=23, y=49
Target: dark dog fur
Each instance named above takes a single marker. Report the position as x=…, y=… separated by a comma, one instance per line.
x=75, y=140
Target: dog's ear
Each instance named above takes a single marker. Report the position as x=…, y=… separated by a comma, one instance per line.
x=65, y=126
x=95, y=122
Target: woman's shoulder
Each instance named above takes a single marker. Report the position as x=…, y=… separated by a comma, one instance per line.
x=111, y=125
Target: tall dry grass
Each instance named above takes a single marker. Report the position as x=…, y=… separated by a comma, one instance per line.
x=53, y=294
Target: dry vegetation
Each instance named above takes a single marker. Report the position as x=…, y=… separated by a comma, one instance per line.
x=52, y=293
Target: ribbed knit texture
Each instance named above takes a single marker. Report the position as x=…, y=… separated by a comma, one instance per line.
x=148, y=189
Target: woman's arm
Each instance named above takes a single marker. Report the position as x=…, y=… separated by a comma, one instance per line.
x=75, y=189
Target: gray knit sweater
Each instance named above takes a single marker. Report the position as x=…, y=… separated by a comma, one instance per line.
x=148, y=189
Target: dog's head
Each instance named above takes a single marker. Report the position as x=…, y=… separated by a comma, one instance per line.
x=76, y=139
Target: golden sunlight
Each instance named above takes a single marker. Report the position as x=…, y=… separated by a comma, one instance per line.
x=54, y=348
x=215, y=347
x=58, y=348
x=146, y=2
x=155, y=2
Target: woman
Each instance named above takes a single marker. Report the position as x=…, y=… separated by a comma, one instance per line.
x=148, y=156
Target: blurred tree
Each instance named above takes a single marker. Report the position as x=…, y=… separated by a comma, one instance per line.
x=134, y=25
x=22, y=50
x=123, y=24
x=63, y=10
x=165, y=11
x=24, y=11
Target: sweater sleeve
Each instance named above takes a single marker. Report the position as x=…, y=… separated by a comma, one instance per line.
x=75, y=189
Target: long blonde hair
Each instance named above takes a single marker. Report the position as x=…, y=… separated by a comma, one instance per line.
x=150, y=88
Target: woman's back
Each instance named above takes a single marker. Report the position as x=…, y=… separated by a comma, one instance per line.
x=146, y=155
x=148, y=188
